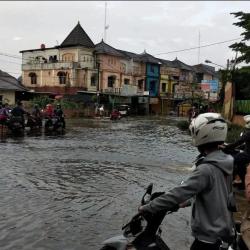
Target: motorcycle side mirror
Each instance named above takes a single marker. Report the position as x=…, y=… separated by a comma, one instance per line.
x=146, y=197
x=149, y=188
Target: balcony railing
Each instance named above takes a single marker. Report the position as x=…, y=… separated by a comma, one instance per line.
x=56, y=65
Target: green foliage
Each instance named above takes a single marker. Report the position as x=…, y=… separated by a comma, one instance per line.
x=42, y=101
x=242, y=106
x=68, y=104
x=241, y=79
x=94, y=98
x=242, y=47
x=233, y=133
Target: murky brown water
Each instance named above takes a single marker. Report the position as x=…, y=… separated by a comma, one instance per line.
x=76, y=190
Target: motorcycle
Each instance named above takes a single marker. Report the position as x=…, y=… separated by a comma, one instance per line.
x=34, y=122
x=53, y=124
x=16, y=125
x=115, y=115
x=143, y=231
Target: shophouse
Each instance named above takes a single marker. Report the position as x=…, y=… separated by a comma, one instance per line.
x=206, y=77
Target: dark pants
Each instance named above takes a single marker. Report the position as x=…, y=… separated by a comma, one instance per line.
x=241, y=160
x=199, y=245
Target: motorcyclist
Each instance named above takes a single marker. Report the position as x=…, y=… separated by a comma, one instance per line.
x=208, y=186
x=4, y=113
x=49, y=112
x=242, y=158
x=59, y=113
x=36, y=113
x=19, y=112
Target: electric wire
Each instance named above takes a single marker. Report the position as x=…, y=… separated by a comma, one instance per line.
x=202, y=46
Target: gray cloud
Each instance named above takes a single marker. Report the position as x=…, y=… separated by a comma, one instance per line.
x=134, y=25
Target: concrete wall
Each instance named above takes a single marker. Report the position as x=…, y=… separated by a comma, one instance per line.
x=8, y=96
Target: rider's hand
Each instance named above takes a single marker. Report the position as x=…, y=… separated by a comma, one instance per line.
x=140, y=210
x=175, y=208
x=222, y=146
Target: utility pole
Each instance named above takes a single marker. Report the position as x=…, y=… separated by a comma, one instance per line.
x=98, y=82
x=105, y=23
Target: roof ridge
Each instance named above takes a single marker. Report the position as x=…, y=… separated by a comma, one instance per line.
x=77, y=36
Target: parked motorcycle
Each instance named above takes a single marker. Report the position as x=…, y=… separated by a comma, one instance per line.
x=143, y=232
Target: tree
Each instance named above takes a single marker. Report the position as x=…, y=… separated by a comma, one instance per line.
x=241, y=46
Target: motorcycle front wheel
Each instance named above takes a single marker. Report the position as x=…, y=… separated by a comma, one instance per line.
x=107, y=248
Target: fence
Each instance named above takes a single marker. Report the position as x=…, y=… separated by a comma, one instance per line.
x=242, y=106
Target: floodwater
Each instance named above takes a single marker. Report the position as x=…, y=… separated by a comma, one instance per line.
x=75, y=190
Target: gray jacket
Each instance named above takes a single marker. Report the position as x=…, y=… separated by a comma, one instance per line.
x=209, y=185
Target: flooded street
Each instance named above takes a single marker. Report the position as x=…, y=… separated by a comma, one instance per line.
x=76, y=190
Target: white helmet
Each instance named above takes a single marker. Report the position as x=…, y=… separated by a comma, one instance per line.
x=208, y=128
x=247, y=120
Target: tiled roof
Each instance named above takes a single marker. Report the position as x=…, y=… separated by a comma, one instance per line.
x=103, y=48
x=8, y=82
x=166, y=62
x=78, y=37
x=180, y=65
x=205, y=69
x=147, y=58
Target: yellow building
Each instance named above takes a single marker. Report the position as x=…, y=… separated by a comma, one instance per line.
x=10, y=89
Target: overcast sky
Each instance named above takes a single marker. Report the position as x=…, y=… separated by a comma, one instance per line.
x=135, y=26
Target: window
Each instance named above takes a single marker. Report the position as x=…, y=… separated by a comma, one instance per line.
x=163, y=87
x=62, y=77
x=140, y=84
x=93, y=80
x=111, y=81
x=123, y=67
x=33, y=78
x=152, y=69
x=126, y=81
x=68, y=57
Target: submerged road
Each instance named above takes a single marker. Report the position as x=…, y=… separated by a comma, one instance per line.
x=76, y=190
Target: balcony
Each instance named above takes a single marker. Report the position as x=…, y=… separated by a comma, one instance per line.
x=115, y=91
x=126, y=90
x=50, y=66
x=46, y=66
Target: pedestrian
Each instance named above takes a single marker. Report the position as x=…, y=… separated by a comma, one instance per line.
x=4, y=113
x=101, y=110
x=209, y=187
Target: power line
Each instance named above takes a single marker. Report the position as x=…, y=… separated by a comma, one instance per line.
x=203, y=46
x=12, y=72
x=10, y=55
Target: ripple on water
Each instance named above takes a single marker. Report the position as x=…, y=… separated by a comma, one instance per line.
x=73, y=191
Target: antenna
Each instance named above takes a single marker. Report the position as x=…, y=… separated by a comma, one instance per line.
x=105, y=23
x=199, y=46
